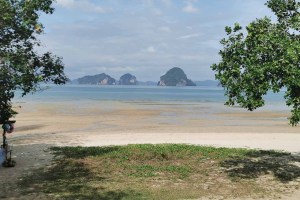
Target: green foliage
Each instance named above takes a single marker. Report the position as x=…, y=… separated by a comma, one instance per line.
x=21, y=67
x=263, y=57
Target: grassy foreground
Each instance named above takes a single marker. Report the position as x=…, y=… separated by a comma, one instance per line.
x=167, y=171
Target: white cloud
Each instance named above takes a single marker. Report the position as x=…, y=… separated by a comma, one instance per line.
x=165, y=29
x=190, y=8
x=104, y=58
x=167, y=2
x=148, y=2
x=150, y=49
x=84, y=5
x=189, y=36
x=113, y=69
x=146, y=36
x=157, y=12
x=122, y=69
x=65, y=3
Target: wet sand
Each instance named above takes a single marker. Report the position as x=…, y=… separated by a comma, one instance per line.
x=40, y=125
x=113, y=123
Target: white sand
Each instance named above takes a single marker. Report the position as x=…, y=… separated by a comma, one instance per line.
x=117, y=123
x=277, y=141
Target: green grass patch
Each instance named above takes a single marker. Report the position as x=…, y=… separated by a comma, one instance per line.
x=149, y=151
x=165, y=171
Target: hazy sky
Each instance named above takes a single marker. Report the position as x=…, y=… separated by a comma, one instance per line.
x=143, y=37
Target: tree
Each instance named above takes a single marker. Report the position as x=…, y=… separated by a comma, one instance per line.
x=265, y=56
x=21, y=67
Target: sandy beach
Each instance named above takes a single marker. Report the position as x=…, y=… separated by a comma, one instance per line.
x=114, y=122
x=96, y=123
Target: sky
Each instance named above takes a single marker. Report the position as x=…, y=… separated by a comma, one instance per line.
x=143, y=37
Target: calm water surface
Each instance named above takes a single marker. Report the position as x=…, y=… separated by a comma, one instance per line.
x=139, y=94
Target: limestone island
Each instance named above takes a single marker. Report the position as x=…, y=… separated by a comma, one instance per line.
x=128, y=79
x=99, y=79
x=175, y=77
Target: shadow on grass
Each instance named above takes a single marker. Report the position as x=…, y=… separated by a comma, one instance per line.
x=82, y=152
x=70, y=179
x=284, y=166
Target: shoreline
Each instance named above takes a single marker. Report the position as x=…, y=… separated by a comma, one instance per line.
x=42, y=125
x=114, y=123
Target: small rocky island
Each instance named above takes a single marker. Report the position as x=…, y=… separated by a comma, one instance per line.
x=175, y=77
x=99, y=79
x=128, y=79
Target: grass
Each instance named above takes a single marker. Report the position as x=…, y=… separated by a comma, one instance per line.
x=166, y=171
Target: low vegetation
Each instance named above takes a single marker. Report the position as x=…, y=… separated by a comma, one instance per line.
x=168, y=171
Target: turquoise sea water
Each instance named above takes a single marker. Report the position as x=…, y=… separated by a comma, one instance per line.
x=127, y=93
x=138, y=93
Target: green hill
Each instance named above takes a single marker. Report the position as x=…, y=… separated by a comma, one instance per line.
x=99, y=79
x=175, y=77
x=128, y=79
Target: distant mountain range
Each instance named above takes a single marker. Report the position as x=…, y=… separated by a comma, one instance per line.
x=173, y=77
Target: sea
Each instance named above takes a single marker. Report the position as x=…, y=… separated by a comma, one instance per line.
x=183, y=95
